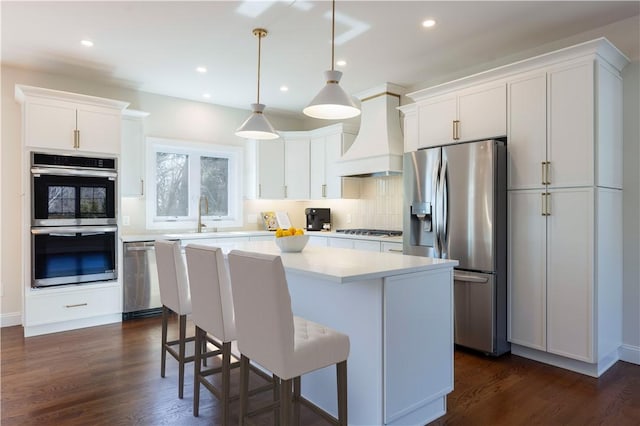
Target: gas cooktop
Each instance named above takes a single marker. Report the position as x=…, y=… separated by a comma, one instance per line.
x=371, y=232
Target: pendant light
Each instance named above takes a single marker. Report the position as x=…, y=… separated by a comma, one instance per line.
x=257, y=126
x=332, y=102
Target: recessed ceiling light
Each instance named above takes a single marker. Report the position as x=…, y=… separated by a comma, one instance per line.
x=341, y=63
x=284, y=89
x=87, y=43
x=428, y=23
x=201, y=69
x=206, y=95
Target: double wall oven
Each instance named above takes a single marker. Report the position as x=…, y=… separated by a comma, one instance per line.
x=73, y=219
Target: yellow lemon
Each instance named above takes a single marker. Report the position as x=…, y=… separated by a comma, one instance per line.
x=279, y=233
x=299, y=232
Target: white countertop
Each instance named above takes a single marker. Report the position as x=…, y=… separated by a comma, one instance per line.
x=231, y=234
x=343, y=265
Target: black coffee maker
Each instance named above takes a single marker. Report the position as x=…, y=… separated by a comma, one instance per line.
x=318, y=219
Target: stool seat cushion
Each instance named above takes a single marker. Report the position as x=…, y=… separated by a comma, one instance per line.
x=315, y=346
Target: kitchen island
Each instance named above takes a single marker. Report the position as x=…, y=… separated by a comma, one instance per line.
x=398, y=313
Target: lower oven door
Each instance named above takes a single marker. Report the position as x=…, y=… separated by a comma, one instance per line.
x=73, y=255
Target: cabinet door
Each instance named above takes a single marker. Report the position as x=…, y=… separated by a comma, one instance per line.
x=435, y=121
x=482, y=112
x=395, y=248
x=570, y=231
x=340, y=242
x=367, y=245
x=411, y=142
x=317, y=241
x=527, y=131
x=271, y=169
x=132, y=158
x=296, y=172
x=49, y=125
x=337, y=186
x=571, y=110
x=317, y=166
x=99, y=130
x=526, y=278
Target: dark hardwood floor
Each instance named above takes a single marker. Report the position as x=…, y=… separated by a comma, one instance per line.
x=110, y=375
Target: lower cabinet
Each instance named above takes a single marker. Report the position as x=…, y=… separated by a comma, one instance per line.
x=351, y=243
x=565, y=263
x=59, y=309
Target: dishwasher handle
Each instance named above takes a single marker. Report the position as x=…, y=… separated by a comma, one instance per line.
x=145, y=247
x=470, y=278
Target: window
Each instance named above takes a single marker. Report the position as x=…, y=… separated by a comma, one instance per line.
x=183, y=177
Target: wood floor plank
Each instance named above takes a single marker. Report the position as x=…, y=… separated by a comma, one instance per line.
x=110, y=375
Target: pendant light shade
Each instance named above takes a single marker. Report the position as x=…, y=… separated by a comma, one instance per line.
x=257, y=126
x=332, y=102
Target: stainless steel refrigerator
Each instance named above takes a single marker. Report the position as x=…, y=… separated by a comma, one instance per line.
x=456, y=208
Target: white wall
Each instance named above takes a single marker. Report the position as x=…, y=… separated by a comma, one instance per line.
x=631, y=213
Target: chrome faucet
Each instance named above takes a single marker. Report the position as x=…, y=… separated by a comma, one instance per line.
x=206, y=204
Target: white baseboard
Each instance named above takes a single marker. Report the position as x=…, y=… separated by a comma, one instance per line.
x=35, y=330
x=10, y=319
x=630, y=353
x=593, y=370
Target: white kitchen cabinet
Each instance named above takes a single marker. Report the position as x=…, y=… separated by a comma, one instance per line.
x=327, y=146
x=411, y=140
x=58, y=120
x=387, y=247
x=317, y=240
x=561, y=301
x=132, y=164
x=296, y=167
x=352, y=243
x=283, y=167
x=213, y=241
x=270, y=159
x=474, y=113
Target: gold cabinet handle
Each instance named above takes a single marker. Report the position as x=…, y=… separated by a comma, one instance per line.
x=543, y=211
x=544, y=178
x=76, y=138
x=456, y=130
x=546, y=173
x=324, y=191
x=285, y=191
x=259, y=190
x=77, y=305
x=141, y=186
x=547, y=204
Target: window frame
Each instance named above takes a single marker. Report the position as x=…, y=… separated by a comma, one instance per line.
x=195, y=150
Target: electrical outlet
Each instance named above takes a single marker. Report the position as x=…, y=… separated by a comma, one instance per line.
x=126, y=220
x=252, y=218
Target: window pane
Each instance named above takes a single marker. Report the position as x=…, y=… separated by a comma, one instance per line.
x=214, y=184
x=172, y=184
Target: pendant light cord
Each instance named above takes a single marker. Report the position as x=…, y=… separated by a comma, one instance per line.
x=259, y=52
x=333, y=31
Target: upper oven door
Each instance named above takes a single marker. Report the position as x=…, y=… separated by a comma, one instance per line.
x=73, y=197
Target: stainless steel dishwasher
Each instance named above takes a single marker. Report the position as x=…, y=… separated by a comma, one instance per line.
x=141, y=289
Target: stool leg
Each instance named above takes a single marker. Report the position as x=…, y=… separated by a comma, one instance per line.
x=163, y=358
x=196, y=372
x=341, y=370
x=296, y=400
x=226, y=381
x=244, y=389
x=182, y=344
x=285, y=402
x=276, y=398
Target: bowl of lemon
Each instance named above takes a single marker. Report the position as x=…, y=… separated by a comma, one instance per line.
x=291, y=240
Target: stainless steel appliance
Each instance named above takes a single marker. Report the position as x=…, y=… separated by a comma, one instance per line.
x=318, y=219
x=140, y=286
x=73, y=221
x=455, y=208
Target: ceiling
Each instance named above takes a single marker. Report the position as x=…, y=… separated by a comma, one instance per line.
x=156, y=46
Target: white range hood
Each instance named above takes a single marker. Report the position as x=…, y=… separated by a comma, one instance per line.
x=379, y=146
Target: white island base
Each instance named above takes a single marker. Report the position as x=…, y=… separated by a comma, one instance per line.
x=398, y=313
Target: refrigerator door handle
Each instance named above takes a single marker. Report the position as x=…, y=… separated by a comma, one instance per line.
x=444, y=200
x=435, y=216
x=469, y=278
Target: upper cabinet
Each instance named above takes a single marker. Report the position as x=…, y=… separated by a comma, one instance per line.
x=67, y=121
x=132, y=157
x=327, y=146
x=283, y=167
x=476, y=113
x=553, y=138
x=301, y=165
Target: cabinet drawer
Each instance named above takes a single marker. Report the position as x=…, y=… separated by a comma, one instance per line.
x=395, y=248
x=53, y=306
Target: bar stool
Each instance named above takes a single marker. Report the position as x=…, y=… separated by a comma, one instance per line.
x=270, y=335
x=174, y=296
x=213, y=315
